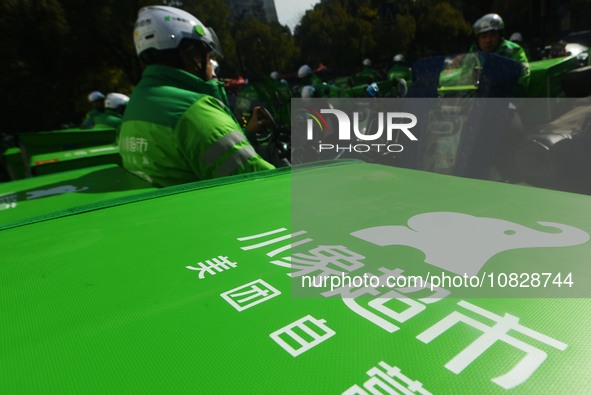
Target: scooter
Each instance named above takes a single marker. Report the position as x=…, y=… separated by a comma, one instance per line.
x=478, y=127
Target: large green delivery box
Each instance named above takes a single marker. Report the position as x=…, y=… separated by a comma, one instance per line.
x=292, y=283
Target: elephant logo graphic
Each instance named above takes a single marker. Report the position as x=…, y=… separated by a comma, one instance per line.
x=462, y=243
x=54, y=191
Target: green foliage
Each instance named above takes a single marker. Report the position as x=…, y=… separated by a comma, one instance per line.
x=340, y=33
x=330, y=34
x=263, y=48
x=32, y=65
x=442, y=29
x=395, y=39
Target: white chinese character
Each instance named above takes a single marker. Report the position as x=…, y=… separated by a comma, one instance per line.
x=314, y=330
x=491, y=334
x=379, y=303
x=218, y=264
x=275, y=240
x=130, y=144
x=320, y=258
x=385, y=381
x=142, y=144
x=251, y=294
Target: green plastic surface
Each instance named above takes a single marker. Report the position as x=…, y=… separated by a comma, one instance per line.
x=55, y=162
x=180, y=295
x=23, y=199
x=545, y=75
x=36, y=143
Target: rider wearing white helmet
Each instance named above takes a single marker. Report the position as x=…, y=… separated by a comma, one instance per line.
x=311, y=83
x=367, y=72
x=178, y=126
x=115, y=104
x=95, y=96
x=304, y=71
x=516, y=38
x=97, y=100
x=399, y=58
x=488, y=32
x=399, y=70
x=308, y=92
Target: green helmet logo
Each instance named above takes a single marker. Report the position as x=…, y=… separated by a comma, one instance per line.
x=200, y=30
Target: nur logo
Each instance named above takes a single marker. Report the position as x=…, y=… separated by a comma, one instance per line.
x=358, y=132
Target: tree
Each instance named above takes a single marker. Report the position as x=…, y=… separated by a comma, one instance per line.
x=442, y=29
x=264, y=47
x=55, y=52
x=331, y=35
x=396, y=39
x=33, y=67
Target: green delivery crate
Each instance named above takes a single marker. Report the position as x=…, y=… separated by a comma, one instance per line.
x=198, y=289
x=22, y=200
x=36, y=143
x=14, y=160
x=545, y=76
x=55, y=162
x=545, y=82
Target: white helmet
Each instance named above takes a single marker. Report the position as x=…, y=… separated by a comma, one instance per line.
x=308, y=91
x=275, y=75
x=304, y=71
x=116, y=100
x=516, y=37
x=161, y=28
x=95, y=96
x=367, y=62
x=488, y=23
x=399, y=58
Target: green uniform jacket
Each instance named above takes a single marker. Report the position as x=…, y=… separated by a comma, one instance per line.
x=89, y=118
x=398, y=72
x=369, y=74
x=108, y=119
x=178, y=128
x=516, y=52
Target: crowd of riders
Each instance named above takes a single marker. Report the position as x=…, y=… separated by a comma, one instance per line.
x=184, y=122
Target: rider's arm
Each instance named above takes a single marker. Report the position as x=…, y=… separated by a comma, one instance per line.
x=213, y=144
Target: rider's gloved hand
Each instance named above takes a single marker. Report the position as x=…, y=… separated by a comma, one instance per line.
x=260, y=118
